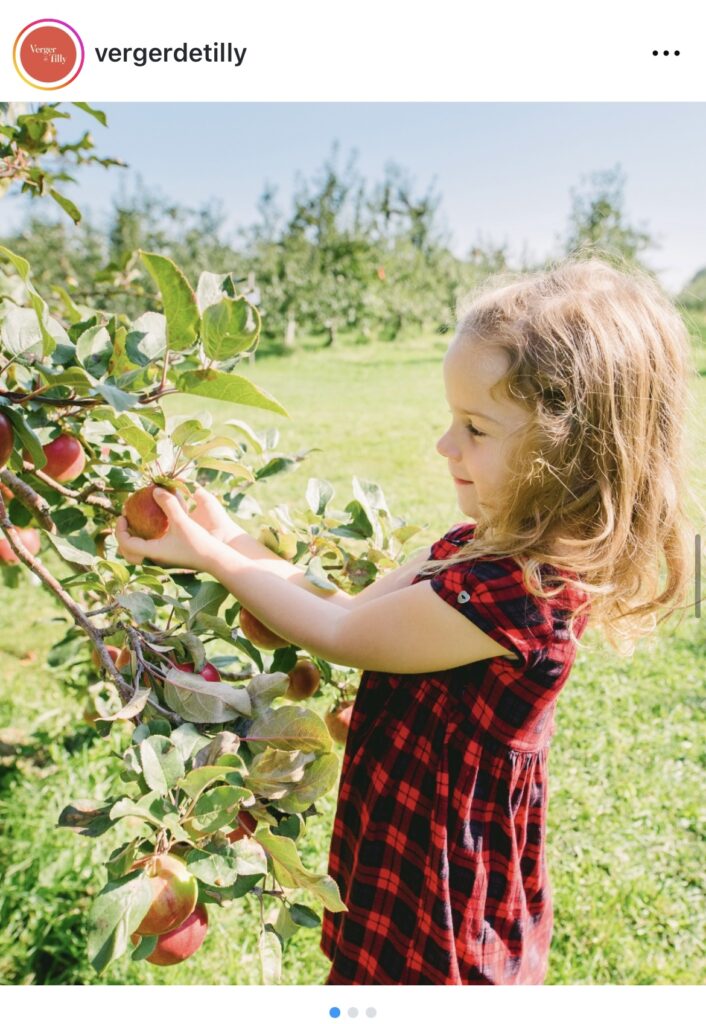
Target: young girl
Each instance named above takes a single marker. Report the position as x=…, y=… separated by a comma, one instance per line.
x=567, y=390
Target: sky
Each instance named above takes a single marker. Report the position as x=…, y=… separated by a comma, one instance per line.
x=505, y=171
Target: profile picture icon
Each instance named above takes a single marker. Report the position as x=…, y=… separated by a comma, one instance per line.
x=48, y=54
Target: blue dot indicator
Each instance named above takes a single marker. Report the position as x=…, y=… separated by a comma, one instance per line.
x=334, y=1012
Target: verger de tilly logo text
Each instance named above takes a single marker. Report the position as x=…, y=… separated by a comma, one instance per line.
x=48, y=54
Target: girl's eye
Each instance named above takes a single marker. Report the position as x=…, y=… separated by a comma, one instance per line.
x=472, y=429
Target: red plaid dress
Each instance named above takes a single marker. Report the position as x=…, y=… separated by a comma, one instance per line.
x=438, y=844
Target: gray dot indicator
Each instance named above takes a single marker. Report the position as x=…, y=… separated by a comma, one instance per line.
x=371, y=1012
x=353, y=1012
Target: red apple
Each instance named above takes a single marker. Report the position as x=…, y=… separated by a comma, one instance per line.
x=6, y=439
x=258, y=633
x=338, y=721
x=30, y=539
x=66, y=458
x=304, y=680
x=245, y=819
x=174, y=893
x=114, y=653
x=144, y=516
x=209, y=671
x=182, y=942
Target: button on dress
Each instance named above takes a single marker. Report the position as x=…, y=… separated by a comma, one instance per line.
x=438, y=844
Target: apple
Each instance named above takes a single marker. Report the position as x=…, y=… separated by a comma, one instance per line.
x=6, y=493
x=124, y=658
x=304, y=680
x=209, y=671
x=66, y=458
x=6, y=439
x=182, y=942
x=338, y=721
x=240, y=832
x=144, y=516
x=29, y=537
x=114, y=653
x=174, y=893
x=258, y=633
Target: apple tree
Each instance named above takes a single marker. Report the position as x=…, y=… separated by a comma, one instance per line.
x=221, y=759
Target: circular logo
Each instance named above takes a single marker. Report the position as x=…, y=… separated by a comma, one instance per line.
x=48, y=54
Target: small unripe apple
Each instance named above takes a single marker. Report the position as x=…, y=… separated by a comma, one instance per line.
x=338, y=721
x=114, y=653
x=28, y=536
x=245, y=819
x=182, y=942
x=144, y=516
x=304, y=680
x=258, y=633
x=66, y=458
x=174, y=893
x=209, y=671
x=6, y=439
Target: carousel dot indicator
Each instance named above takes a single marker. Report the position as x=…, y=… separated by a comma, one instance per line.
x=334, y=1012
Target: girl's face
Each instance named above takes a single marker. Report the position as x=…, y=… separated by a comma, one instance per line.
x=483, y=430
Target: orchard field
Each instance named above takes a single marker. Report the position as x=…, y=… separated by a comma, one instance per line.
x=626, y=816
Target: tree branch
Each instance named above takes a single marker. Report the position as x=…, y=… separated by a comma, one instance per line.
x=76, y=612
x=30, y=499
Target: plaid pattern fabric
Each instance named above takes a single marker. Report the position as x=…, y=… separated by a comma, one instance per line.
x=438, y=838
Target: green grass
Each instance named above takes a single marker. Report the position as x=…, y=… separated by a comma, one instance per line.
x=626, y=815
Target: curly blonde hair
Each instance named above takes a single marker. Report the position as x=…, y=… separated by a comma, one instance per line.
x=597, y=483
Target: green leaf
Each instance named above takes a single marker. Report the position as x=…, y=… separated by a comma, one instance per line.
x=227, y=387
x=94, y=349
x=27, y=437
x=274, y=772
x=178, y=300
x=120, y=400
x=196, y=699
x=229, y=327
x=318, y=495
x=145, y=947
x=270, y=950
x=135, y=706
x=80, y=549
x=140, y=606
x=208, y=598
x=291, y=728
x=86, y=817
x=162, y=764
x=292, y=874
x=304, y=916
x=199, y=778
x=316, y=574
x=66, y=205
x=217, y=807
x=36, y=301
x=69, y=520
x=188, y=740
x=217, y=869
x=98, y=114
x=147, y=340
x=319, y=778
x=132, y=434
x=114, y=916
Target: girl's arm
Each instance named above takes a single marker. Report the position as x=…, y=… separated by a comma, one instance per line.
x=210, y=514
x=408, y=631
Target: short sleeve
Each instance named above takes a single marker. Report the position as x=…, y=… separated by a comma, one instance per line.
x=491, y=594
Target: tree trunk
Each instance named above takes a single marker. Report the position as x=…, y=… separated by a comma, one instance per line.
x=290, y=332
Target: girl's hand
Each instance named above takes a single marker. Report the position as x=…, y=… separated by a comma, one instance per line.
x=185, y=544
x=210, y=514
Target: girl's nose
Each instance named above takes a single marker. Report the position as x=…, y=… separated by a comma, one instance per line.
x=445, y=447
